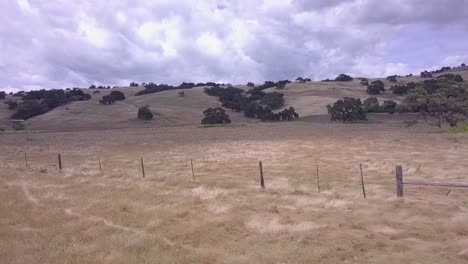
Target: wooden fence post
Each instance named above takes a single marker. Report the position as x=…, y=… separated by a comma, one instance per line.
x=193, y=173
x=25, y=159
x=262, y=182
x=100, y=167
x=60, y=161
x=362, y=182
x=142, y=167
x=318, y=178
x=399, y=180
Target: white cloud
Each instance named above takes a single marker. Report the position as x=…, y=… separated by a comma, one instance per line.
x=57, y=44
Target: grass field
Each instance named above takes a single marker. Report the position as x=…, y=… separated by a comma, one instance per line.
x=79, y=215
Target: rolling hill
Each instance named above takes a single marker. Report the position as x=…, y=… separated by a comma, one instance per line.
x=171, y=109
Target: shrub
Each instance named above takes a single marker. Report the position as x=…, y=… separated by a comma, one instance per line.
x=2, y=95
x=215, y=115
x=96, y=92
x=18, y=126
x=376, y=87
x=463, y=65
x=250, y=84
x=343, y=78
x=181, y=94
x=134, y=84
x=144, y=113
x=92, y=86
x=346, y=109
x=273, y=100
x=371, y=105
x=389, y=106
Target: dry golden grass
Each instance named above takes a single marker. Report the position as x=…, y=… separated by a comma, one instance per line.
x=81, y=216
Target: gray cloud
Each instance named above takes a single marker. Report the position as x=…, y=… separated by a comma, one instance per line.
x=57, y=44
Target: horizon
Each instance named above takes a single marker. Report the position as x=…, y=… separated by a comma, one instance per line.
x=59, y=45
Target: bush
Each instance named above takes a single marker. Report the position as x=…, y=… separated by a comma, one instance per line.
x=2, y=95
x=134, y=84
x=96, y=92
x=300, y=80
x=463, y=65
x=144, y=113
x=389, y=106
x=18, y=126
x=250, y=84
x=376, y=87
x=343, y=78
x=215, y=115
x=346, y=109
x=273, y=100
x=92, y=86
x=371, y=105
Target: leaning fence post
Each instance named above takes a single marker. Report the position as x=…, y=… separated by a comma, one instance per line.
x=318, y=178
x=142, y=167
x=362, y=182
x=262, y=182
x=193, y=173
x=399, y=180
x=100, y=167
x=25, y=159
x=60, y=161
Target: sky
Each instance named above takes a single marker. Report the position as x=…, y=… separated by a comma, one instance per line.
x=67, y=43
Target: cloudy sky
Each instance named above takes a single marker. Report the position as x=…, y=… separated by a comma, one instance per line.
x=67, y=43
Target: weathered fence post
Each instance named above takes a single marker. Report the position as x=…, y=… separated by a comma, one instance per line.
x=142, y=167
x=193, y=173
x=25, y=160
x=60, y=161
x=362, y=182
x=318, y=178
x=100, y=167
x=262, y=182
x=399, y=180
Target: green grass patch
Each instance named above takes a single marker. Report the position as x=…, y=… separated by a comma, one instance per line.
x=222, y=125
x=459, y=129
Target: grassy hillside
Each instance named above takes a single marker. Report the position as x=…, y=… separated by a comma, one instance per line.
x=170, y=109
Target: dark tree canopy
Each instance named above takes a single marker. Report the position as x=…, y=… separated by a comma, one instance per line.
x=346, y=109
x=273, y=100
x=134, y=84
x=452, y=77
x=343, y=78
x=34, y=103
x=250, y=84
x=113, y=97
x=376, y=87
x=371, y=105
x=215, y=115
x=389, y=106
x=144, y=113
x=426, y=74
x=392, y=78
x=401, y=89
x=364, y=82
x=2, y=95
